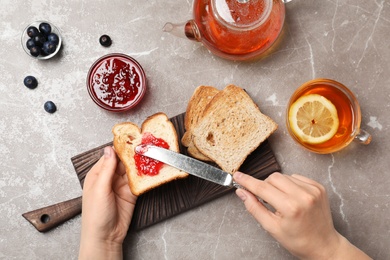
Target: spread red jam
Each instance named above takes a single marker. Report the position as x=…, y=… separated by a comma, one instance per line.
x=116, y=82
x=146, y=165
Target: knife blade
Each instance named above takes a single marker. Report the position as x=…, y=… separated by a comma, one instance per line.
x=188, y=164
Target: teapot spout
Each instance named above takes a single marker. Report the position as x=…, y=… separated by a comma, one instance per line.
x=186, y=30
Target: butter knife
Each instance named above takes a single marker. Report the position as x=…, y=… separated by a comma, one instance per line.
x=188, y=164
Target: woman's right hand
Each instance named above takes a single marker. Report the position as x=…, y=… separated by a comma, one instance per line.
x=300, y=219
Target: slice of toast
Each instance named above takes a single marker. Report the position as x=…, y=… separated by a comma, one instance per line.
x=128, y=135
x=194, y=113
x=231, y=128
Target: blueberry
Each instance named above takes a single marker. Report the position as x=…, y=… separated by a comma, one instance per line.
x=50, y=107
x=32, y=31
x=30, y=82
x=105, y=40
x=49, y=47
x=35, y=51
x=30, y=43
x=39, y=40
x=45, y=28
x=53, y=38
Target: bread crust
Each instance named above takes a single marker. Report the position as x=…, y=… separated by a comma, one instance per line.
x=194, y=113
x=128, y=135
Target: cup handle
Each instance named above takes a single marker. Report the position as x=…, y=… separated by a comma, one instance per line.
x=363, y=137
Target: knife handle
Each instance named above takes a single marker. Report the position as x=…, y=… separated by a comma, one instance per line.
x=49, y=217
x=239, y=186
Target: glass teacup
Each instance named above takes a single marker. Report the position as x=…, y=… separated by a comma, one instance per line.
x=348, y=112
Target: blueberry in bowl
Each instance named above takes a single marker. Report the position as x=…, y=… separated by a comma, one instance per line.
x=45, y=28
x=49, y=47
x=41, y=40
x=32, y=31
x=52, y=37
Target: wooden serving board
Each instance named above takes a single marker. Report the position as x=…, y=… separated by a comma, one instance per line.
x=181, y=195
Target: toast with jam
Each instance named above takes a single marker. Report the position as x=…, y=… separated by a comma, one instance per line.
x=142, y=172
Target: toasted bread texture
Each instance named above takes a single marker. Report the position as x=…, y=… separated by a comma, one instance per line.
x=128, y=135
x=231, y=128
x=194, y=113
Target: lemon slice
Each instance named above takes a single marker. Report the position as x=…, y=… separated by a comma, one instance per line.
x=313, y=119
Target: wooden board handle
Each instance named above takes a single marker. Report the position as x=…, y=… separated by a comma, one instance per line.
x=49, y=217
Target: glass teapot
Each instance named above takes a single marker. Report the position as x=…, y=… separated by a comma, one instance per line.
x=233, y=29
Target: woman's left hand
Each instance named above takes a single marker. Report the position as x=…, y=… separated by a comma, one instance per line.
x=108, y=207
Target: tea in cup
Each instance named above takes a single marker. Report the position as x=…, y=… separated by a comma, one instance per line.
x=324, y=117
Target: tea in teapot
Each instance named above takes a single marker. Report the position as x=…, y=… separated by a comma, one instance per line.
x=233, y=29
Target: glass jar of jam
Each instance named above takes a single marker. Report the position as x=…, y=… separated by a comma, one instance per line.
x=116, y=82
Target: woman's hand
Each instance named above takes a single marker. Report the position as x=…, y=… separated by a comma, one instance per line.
x=300, y=219
x=108, y=206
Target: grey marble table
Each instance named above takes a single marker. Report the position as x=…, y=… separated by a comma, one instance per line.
x=340, y=39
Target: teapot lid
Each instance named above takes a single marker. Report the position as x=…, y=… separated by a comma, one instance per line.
x=241, y=14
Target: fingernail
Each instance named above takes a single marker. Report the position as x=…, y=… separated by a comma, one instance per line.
x=241, y=195
x=237, y=175
x=107, y=152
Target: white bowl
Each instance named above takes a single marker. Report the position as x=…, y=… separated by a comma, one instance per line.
x=25, y=37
